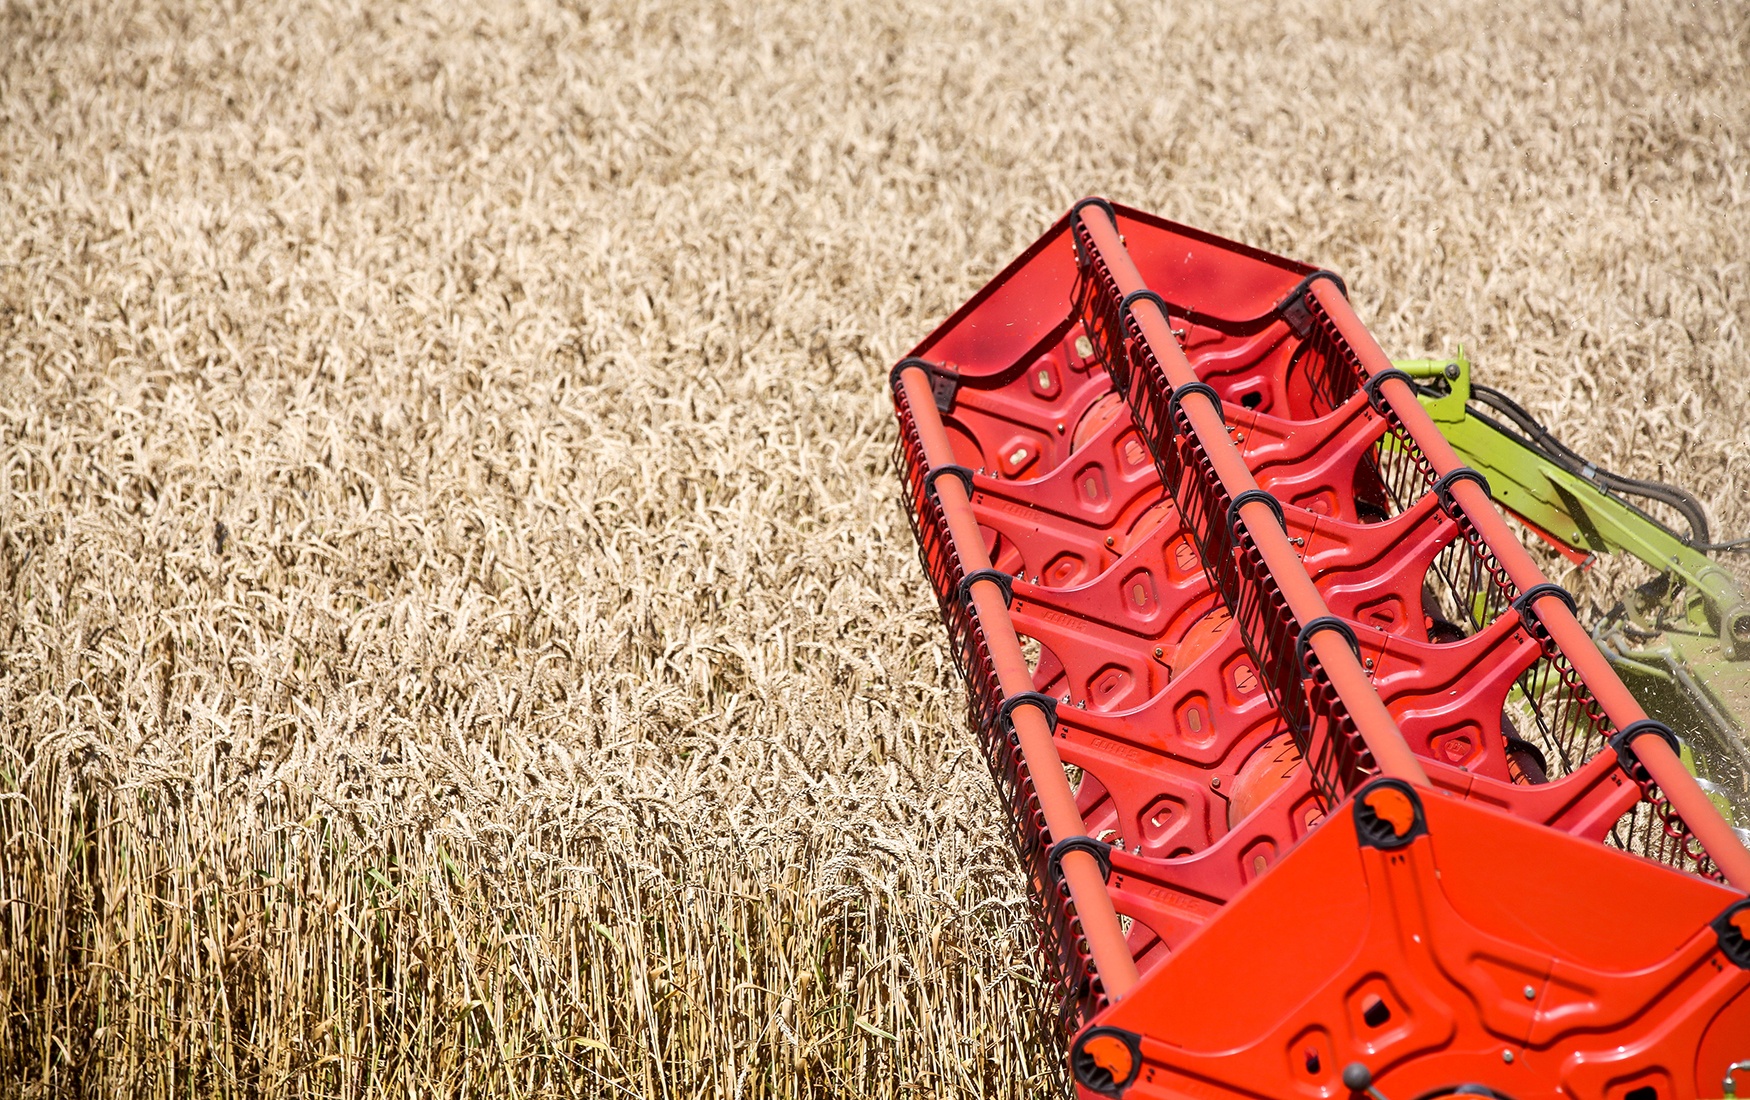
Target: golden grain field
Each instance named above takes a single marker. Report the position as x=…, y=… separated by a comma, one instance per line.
x=459, y=636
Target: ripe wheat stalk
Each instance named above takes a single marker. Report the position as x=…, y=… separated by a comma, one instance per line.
x=458, y=632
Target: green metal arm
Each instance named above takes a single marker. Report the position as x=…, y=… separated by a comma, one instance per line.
x=1680, y=642
x=1569, y=509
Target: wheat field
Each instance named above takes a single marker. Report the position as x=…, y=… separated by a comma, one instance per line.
x=458, y=631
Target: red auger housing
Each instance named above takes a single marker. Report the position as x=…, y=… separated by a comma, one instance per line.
x=1322, y=789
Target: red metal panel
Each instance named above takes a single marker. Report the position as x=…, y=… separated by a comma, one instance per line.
x=1441, y=964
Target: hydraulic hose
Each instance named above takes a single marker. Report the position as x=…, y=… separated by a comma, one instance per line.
x=1537, y=437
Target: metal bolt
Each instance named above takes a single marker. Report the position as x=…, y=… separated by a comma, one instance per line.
x=1110, y=542
x=1452, y=370
x=1507, y=1056
x=1159, y=652
x=1530, y=993
x=1215, y=783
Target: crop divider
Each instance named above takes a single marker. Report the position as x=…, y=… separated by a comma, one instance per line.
x=1088, y=942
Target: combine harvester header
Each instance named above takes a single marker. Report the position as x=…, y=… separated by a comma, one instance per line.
x=1322, y=787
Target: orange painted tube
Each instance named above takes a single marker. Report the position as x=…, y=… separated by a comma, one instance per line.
x=1664, y=766
x=1081, y=871
x=1351, y=682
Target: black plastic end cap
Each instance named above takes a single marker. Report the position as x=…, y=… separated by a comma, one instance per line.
x=1300, y=288
x=906, y=364
x=1178, y=396
x=1003, y=581
x=1293, y=308
x=1006, y=710
x=1303, y=644
x=1129, y=301
x=1075, y=213
x=1623, y=742
x=960, y=472
x=1444, y=483
x=1092, y=200
x=1254, y=496
x=1099, y=849
x=1388, y=815
x=1733, y=929
x=1106, y=1060
x=1524, y=603
x=1371, y=387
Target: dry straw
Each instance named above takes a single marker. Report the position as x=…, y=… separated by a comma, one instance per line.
x=458, y=635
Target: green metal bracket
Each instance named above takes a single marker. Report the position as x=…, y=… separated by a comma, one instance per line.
x=1681, y=642
x=1566, y=508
